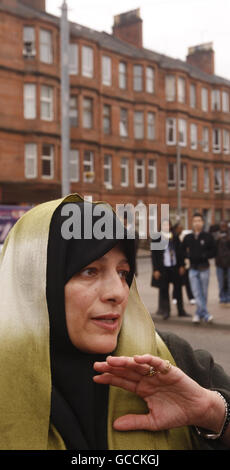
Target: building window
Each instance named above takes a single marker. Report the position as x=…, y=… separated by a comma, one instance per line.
x=172, y=175
x=87, y=113
x=88, y=167
x=204, y=99
x=206, y=180
x=108, y=171
x=181, y=93
x=46, y=103
x=226, y=141
x=170, y=88
x=150, y=80
x=217, y=180
x=73, y=59
x=215, y=100
x=74, y=165
x=123, y=122
x=87, y=61
x=106, y=71
x=30, y=101
x=124, y=171
x=205, y=139
x=171, y=131
x=137, y=77
x=29, y=49
x=152, y=174
x=73, y=111
x=31, y=160
x=122, y=76
x=151, y=126
x=193, y=136
x=225, y=101
x=183, y=176
x=227, y=180
x=192, y=95
x=46, y=47
x=139, y=173
x=194, y=178
x=107, y=119
x=217, y=216
x=182, y=129
x=138, y=125
x=47, y=161
x=216, y=140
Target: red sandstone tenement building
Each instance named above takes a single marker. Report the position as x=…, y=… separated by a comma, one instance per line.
x=129, y=109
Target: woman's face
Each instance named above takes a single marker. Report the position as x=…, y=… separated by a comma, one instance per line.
x=95, y=301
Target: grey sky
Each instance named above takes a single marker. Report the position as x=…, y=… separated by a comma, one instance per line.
x=169, y=26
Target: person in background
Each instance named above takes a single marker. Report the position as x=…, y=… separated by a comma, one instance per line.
x=177, y=230
x=199, y=247
x=223, y=263
x=168, y=267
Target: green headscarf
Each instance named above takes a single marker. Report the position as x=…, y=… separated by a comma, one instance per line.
x=25, y=392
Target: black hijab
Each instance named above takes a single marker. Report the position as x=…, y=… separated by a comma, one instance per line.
x=78, y=404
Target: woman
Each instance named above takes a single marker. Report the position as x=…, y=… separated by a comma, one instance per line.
x=66, y=306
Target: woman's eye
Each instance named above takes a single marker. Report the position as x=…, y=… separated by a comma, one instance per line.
x=123, y=274
x=89, y=272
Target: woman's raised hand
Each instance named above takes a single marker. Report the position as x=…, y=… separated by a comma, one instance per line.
x=173, y=399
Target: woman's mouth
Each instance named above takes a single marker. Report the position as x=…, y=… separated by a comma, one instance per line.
x=108, y=322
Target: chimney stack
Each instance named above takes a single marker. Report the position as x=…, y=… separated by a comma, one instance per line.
x=202, y=56
x=128, y=27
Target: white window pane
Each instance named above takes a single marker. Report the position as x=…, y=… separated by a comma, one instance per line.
x=74, y=165
x=205, y=139
x=152, y=173
x=46, y=49
x=217, y=179
x=227, y=180
x=106, y=71
x=29, y=41
x=88, y=113
x=149, y=80
x=29, y=101
x=30, y=160
x=88, y=167
x=215, y=100
x=108, y=171
x=226, y=141
x=139, y=125
x=170, y=87
x=124, y=172
x=123, y=123
x=46, y=103
x=73, y=59
x=204, y=99
x=182, y=128
x=139, y=169
x=122, y=75
x=193, y=95
x=225, y=101
x=193, y=136
x=206, y=180
x=87, y=61
x=151, y=126
x=171, y=175
x=138, y=78
x=181, y=90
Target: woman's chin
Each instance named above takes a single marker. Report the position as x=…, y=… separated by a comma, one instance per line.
x=102, y=346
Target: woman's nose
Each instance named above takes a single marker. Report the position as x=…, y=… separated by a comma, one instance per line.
x=114, y=288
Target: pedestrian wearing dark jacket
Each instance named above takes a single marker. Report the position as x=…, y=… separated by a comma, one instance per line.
x=199, y=247
x=223, y=264
x=168, y=267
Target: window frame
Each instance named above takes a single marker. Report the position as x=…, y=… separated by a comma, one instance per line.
x=150, y=80
x=74, y=162
x=88, y=114
x=87, y=57
x=49, y=158
x=31, y=157
x=73, y=53
x=48, y=101
x=139, y=167
x=30, y=98
x=90, y=165
x=106, y=70
x=108, y=168
x=152, y=168
x=138, y=78
x=173, y=128
x=46, y=46
x=139, y=132
x=124, y=165
x=124, y=122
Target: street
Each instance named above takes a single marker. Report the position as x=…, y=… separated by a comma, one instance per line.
x=214, y=337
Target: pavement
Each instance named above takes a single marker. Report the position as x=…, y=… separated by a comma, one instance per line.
x=149, y=295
